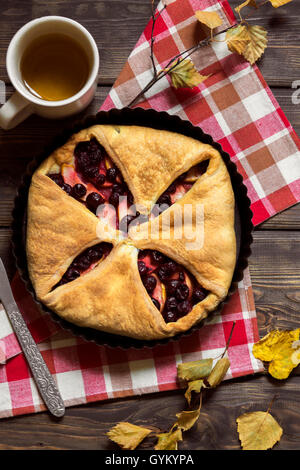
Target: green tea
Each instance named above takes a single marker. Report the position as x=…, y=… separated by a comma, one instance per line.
x=54, y=67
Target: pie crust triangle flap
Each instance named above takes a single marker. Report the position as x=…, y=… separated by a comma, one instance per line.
x=113, y=299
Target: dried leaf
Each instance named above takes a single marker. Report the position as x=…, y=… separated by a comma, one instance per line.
x=219, y=371
x=256, y=44
x=237, y=38
x=258, y=430
x=279, y=3
x=251, y=3
x=281, y=350
x=184, y=74
x=210, y=18
x=187, y=419
x=169, y=440
x=194, y=370
x=193, y=386
x=127, y=435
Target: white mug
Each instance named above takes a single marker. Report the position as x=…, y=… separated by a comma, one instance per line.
x=23, y=103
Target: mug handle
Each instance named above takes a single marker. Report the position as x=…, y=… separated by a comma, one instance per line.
x=14, y=111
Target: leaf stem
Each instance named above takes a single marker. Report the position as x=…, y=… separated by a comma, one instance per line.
x=178, y=58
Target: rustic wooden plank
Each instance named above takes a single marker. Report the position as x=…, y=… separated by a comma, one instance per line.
x=116, y=27
x=84, y=428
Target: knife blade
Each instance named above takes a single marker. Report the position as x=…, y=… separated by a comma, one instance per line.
x=42, y=376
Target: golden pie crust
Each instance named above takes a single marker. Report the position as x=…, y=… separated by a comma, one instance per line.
x=112, y=297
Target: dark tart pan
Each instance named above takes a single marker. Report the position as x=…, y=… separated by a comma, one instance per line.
x=156, y=120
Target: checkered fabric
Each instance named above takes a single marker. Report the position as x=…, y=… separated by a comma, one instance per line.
x=237, y=108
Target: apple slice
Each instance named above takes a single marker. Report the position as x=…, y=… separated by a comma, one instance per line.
x=159, y=293
x=69, y=174
x=189, y=284
x=108, y=214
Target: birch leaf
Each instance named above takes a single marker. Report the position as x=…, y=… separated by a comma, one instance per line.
x=127, y=435
x=169, y=440
x=184, y=74
x=258, y=430
x=219, y=371
x=281, y=349
x=187, y=419
x=237, y=38
x=256, y=44
x=194, y=370
x=210, y=18
x=193, y=386
x=279, y=3
x=245, y=4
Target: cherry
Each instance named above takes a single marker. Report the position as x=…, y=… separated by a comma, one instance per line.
x=149, y=283
x=182, y=292
x=114, y=199
x=172, y=286
x=199, y=294
x=157, y=256
x=57, y=178
x=72, y=274
x=142, y=268
x=91, y=172
x=111, y=174
x=94, y=200
x=100, y=180
x=171, y=303
x=170, y=316
x=184, y=307
x=164, y=200
x=82, y=263
x=67, y=188
x=78, y=191
x=94, y=254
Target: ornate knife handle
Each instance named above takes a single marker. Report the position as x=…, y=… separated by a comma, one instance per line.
x=40, y=371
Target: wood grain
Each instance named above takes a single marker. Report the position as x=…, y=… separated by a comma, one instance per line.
x=116, y=26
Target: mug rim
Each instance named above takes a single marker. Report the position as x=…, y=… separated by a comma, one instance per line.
x=39, y=101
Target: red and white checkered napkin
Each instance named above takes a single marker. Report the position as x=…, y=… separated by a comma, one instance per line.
x=237, y=108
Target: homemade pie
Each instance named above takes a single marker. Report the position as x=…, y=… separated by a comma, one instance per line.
x=106, y=248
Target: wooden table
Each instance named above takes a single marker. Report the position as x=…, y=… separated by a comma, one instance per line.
x=274, y=264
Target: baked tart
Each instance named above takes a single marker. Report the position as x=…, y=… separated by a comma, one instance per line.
x=110, y=243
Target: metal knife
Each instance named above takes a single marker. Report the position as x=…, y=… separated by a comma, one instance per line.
x=39, y=369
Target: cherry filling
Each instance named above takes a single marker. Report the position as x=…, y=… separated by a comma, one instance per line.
x=85, y=262
x=95, y=181
x=179, y=187
x=172, y=289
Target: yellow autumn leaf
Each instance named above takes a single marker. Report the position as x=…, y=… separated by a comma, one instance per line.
x=252, y=3
x=193, y=386
x=187, y=419
x=184, y=74
x=127, y=435
x=219, y=371
x=237, y=38
x=169, y=440
x=258, y=430
x=194, y=370
x=279, y=3
x=210, y=18
x=256, y=44
x=281, y=349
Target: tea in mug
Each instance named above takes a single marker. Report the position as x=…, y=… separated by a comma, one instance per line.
x=54, y=67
